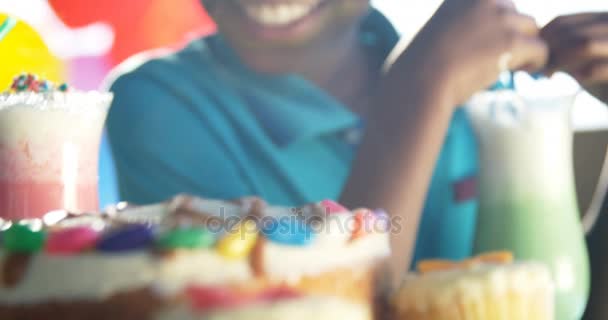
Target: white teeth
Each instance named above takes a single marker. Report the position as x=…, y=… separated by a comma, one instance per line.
x=279, y=14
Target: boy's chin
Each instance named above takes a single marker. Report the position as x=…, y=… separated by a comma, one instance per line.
x=267, y=64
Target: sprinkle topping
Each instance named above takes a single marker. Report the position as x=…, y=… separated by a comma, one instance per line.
x=27, y=82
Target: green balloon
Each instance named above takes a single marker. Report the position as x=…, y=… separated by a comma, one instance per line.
x=188, y=238
x=22, y=239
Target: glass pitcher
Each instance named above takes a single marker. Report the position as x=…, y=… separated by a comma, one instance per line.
x=528, y=202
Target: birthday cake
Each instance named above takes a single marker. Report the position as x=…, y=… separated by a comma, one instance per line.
x=193, y=258
x=488, y=287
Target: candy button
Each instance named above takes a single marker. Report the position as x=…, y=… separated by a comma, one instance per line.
x=22, y=239
x=129, y=238
x=288, y=231
x=364, y=222
x=190, y=238
x=71, y=240
x=331, y=207
x=382, y=221
x=237, y=243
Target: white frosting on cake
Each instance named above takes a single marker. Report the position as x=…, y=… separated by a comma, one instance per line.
x=83, y=277
x=305, y=308
x=204, y=267
x=283, y=262
x=98, y=275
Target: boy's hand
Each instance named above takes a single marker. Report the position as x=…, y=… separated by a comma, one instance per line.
x=468, y=43
x=579, y=45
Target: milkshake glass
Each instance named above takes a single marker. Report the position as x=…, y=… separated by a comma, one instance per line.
x=49, y=147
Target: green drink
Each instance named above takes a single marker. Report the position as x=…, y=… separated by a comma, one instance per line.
x=527, y=192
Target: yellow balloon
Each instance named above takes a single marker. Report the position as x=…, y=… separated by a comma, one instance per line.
x=23, y=50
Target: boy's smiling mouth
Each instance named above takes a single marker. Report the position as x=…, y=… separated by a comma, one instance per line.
x=281, y=13
x=255, y=26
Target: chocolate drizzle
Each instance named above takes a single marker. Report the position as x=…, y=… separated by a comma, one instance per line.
x=256, y=258
x=14, y=268
x=183, y=213
x=254, y=208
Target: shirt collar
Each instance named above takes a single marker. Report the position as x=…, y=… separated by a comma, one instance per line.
x=289, y=107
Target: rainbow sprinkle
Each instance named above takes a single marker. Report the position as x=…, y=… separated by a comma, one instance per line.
x=63, y=87
x=26, y=82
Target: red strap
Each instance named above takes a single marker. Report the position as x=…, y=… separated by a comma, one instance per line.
x=465, y=189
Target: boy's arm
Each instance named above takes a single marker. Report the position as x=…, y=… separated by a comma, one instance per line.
x=459, y=52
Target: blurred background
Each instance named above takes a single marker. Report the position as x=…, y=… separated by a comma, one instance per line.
x=91, y=37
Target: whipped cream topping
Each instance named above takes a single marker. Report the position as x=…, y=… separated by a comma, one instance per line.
x=72, y=101
x=59, y=141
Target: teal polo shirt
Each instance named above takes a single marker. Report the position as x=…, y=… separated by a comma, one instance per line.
x=199, y=121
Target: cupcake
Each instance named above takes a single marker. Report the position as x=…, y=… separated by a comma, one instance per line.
x=488, y=287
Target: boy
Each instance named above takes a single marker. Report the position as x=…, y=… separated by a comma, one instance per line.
x=274, y=106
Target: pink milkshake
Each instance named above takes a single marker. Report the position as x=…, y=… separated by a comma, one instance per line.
x=49, y=146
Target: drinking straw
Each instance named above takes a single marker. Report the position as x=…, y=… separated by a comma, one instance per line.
x=7, y=25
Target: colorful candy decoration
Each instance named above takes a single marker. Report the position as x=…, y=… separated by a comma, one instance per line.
x=63, y=87
x=29, y=82
x=288, y=231
x=382, y=221
x=367, y=221
x=22, y=49
x=128, y=238
x=332, y=207
x=237, y=243
x=361, y=226
x=188, y=238
x=71, y=240
x=21, y=238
